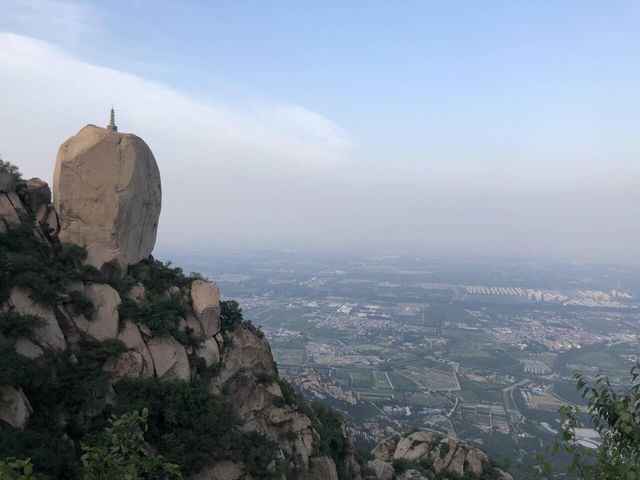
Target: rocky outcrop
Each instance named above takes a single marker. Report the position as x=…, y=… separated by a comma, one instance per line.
x=322, y=468
x=38, y=194
x=209, y=352
x=15, y=409
x=107, y=193
x=248, y=351
x=381, y=469
x=205, y=298
x=26, y=347
x=443, y=456
x=103, y=324
x=10, y=210
x=169, y=358
x=132, y=339
x=225, y=470
x=385, y=449
x=413, y=446
x=50, y=335
x=107, y=199
x=247, y=376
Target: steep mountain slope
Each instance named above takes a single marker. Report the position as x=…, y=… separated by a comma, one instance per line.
x=78, y=345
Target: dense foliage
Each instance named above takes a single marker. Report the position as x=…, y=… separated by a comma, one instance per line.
x=16, y=369
x=182, y=418
x=14, y=324
x=25, y=261
x=123, y=453
x=156, y=276
x=71, y=433
x=230, y=314
x=162, y=314
x=159, y=310
x=14, y=469
x=11, y=169
x=69, y=394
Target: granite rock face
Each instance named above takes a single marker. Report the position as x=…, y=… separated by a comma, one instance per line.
x=107, y=194
x=15, y=409
x=49, y=335
x=382, y=470
x=169, y=358
x=39, y=193
x=205, y=298
x=445, y=455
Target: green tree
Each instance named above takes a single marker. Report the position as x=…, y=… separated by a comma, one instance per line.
x=125, y=454
x=616, y=416
x=13, y=469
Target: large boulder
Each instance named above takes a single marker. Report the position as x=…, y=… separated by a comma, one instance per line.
x=385, y=449
x=39, y=193
x=322, y=468
x=413, y=446
x=106, y=190
x=14, y=406
x=10, y=209
x=49, y=335
x=476, y=460
x=456, y=465
x=169, y=358
x=383, y=470
x=129, y=364
x=249, y=351
x=103, y=324
x=132, y=339
x=205, y=298
x=442, y=454
x=27, y=348
x=209, y=352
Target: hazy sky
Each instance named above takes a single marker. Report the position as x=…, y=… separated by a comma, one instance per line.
x=479, y=127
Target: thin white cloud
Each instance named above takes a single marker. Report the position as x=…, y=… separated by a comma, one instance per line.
x=51, y=90
x=61, y=21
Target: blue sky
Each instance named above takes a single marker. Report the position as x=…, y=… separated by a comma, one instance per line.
x=529, y=104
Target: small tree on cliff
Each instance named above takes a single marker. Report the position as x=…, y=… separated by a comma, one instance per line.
x=616, y=416
x=126, y=454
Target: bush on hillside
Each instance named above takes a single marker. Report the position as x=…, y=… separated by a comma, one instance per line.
x=14, y=325
x=124, y=453
x=191, y=427
x=615, y=415
x=11, y=169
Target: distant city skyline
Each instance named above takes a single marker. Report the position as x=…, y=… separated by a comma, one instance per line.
x=494, y=127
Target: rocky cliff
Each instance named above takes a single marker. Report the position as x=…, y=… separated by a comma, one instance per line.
x=78, y=343
x=425, y=456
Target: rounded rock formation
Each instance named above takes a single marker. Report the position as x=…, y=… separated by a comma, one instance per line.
x=107, y=193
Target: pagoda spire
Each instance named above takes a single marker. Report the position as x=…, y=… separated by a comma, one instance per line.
x=112, y=121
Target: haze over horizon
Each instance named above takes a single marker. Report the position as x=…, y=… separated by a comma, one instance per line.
x=495, y=128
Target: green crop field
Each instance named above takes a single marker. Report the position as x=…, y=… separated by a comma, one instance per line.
x=402, y=383
x=381, y=382
x=361, y=379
